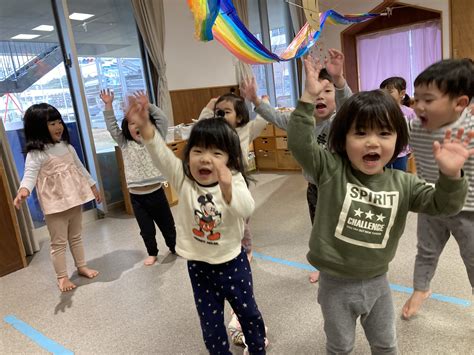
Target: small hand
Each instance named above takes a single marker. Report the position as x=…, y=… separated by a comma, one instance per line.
x=224, y=176
x=211, y=105
x=335, y=63
x=266, y=98
x=141, y=97
x=312, y=86
x=453, y=152
x=107, y=96
x=138, y=117
x=248, y=90
x=23, y=193
x=96, y=193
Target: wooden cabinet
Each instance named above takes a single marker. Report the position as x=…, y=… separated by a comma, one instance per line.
x=12, y=252
x=271, y=150
x=178, y=149
x=462, y=22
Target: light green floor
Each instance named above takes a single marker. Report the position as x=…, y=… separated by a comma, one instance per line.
x=133, y=309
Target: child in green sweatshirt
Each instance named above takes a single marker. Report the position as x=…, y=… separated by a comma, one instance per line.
x=362, y=207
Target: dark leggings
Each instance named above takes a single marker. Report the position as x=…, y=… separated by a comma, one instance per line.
x=312, y=197
x=231, y=281
x=150, y=209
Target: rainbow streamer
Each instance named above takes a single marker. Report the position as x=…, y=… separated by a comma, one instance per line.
x=218, y=19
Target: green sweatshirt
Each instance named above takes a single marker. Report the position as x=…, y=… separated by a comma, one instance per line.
x=360, y=218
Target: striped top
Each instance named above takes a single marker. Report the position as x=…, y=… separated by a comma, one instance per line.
x=421, y=142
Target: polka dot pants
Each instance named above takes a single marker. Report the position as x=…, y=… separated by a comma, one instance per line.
x=231, y=281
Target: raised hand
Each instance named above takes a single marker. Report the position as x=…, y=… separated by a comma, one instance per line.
x=211, y=105
x=453, y=152
x=21, y=196
x=141, y=97
x=224, y=176
x=335, y=67
x=107, y=96
x=312, y=86
x=248, y=90
x=138, y=117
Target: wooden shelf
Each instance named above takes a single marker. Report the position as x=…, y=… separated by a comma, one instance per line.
x=271, y=150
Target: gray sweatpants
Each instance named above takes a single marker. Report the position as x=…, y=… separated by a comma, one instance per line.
x=343, y=301
x=433, y=234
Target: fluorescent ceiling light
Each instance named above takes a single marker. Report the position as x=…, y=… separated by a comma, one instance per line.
x=44, y=28
x=24, y=36
x=79, y=16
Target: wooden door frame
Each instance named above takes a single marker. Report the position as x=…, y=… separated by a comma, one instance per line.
x=403, y=15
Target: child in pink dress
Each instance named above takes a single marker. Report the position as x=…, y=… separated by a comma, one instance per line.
x=62, y=184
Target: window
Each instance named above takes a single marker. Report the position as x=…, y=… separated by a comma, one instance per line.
x=31, y=72
x=109, y=57
x=269, y=22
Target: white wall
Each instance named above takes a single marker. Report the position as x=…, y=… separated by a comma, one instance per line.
x=331, y=36
x=189, y=62
x=195, y=64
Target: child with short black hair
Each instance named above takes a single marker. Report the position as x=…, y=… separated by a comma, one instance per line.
x=326, y=105
x=362, y=206
x=214, y=202
x=144, y=180
x=63, y=185
x=443, y=92
x=396, y=87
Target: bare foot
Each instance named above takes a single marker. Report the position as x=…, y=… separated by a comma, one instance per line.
x=150, y=260
x=314, y=277
x=85, y=271
x=413, y=304
x=65, y=284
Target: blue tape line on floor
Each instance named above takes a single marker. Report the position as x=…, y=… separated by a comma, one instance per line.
x=398, y=288
x=37, y=337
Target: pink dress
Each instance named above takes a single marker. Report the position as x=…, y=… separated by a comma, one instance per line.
x=61, y=185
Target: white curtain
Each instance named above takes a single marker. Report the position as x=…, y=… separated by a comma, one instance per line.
x=404, y=52
x=149, y=15
x=297, y=15
x=242, y=69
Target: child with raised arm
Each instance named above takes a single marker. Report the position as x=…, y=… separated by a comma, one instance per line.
x=443, y=92
x=144, y=180
x=396, y=87
x=326, y=105
x=214, y=202
x=234, y=110
x=362, y=206
x=63, y=185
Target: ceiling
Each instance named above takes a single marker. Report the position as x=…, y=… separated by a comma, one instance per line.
x=111, y=31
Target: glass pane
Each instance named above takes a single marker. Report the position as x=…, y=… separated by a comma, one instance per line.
x=109, y=58
x=31, y=72
x=282, y=73
x=256, y=29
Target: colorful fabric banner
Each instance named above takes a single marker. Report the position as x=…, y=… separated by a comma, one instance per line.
x=218, y=19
